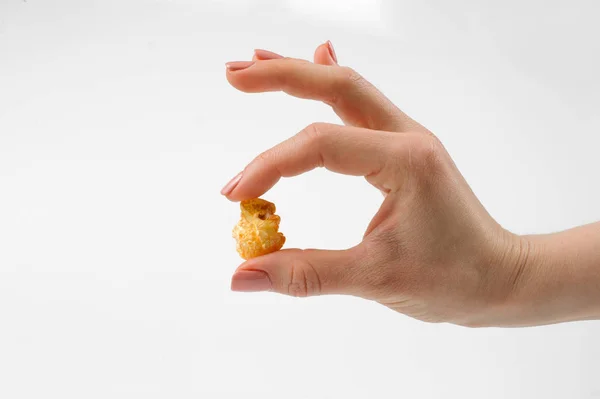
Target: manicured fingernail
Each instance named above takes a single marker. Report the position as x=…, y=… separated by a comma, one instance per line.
x=231, y=185
x=266, y=55
x=238, y=65
x=331, y=51
x=250, y=281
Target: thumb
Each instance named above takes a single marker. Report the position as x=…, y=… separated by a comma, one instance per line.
x=299, y=273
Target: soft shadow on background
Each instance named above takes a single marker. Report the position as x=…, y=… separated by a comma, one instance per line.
x=118, y=128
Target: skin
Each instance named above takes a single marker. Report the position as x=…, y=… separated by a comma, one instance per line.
x=432, y=251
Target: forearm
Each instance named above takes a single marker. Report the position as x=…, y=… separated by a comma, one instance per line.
x=561, y=276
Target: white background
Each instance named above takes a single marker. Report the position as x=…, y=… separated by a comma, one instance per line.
x=118, y=129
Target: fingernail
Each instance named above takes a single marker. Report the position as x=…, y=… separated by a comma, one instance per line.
x=250, y=281
x=231, y=185
x=331, y=51
x=266, y=55
x=238, y=65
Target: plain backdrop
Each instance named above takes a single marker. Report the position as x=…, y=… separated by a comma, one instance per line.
x=118, y=129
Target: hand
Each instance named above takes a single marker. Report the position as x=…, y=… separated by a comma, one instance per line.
x=431, y=252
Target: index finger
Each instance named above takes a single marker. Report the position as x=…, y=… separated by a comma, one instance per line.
x=341, y=149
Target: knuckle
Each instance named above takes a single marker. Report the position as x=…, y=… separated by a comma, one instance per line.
x=264, y=156
x=426, y=154
x=344, y=80
x=351, y=76
x=304, y=280
x=349, y=80
x=314, y=132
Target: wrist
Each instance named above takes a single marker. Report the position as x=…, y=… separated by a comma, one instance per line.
x=555, y=277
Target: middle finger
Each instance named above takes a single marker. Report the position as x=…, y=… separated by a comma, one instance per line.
x=356, y=101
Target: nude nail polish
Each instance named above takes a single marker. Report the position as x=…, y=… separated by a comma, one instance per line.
x=231, y=185
x=238, y=65
x=266, y=55
x=331, y=51
x=250, y=281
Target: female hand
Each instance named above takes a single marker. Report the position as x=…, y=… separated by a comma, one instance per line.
x=431, y=252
